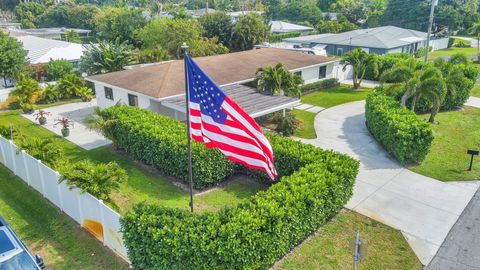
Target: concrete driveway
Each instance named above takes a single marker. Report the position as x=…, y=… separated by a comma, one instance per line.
x=424, y=209
x=79, y=134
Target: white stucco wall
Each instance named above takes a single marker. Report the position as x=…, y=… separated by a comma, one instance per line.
x=120, y=96
x=310, y=74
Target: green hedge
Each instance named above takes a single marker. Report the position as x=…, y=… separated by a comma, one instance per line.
x=161, y=141
x=281, y=36
x=312, y=87
x=399, y=130
x=314, y=186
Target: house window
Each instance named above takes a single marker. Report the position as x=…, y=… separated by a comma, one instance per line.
x=339, y=51
x=108, y=93
x=132, y=100
x=322, y=72
x=299, y=73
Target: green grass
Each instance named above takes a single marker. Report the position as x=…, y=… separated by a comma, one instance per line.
x=306, y=129
x=451, y=51
x=142, y=185
x=476, y=90
x=48, y=232
x=455, y=132
x=334, y=96
x=332, y=247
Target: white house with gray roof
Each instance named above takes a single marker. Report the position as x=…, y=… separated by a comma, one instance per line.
x=378, y=40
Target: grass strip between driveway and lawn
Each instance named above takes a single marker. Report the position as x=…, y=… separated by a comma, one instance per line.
x=334, y=96
x=306, y=128
x=332, y=247
x=451, y=51
x=454, y=133
x=48, y=232
x=142, y=184
x=476, y=90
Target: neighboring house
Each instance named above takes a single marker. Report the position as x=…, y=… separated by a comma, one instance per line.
x=199, y=12
x=379, y=40
x=277, y=27
x=10, y=26
x=236, y=14
x=42, y=50
x=54, y=33
x=160, y=87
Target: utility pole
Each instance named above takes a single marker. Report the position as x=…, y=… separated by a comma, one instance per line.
x=430, y=24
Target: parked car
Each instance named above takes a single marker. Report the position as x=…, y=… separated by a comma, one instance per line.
x=14, y=255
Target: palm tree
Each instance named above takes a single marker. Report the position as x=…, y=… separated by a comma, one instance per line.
x=404, y=73
x=430, y=85
x=475, y=30
x=360, y=61
x=277, y=80
x=106, y=57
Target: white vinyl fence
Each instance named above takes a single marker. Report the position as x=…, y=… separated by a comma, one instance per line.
x=91, y=213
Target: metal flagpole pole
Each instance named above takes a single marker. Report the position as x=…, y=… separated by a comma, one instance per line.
x=184, y=48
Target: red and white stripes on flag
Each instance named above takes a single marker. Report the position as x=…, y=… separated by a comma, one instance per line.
x=219, y=122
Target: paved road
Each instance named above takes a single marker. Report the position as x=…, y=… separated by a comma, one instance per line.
x=424, y=209
x=461, y=249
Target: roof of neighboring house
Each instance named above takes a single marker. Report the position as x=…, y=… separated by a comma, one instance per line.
x=306, y=39
x=54, y=31
x=385, y=37
x=241, y=13
x=200, y=11
x=253, y=102
x=285, y=27
x=166, y=79
x=42, y=50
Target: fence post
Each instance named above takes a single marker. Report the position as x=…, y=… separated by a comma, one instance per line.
x=12, y=154
x=102, y=219
x=2, y=150
x=40, y=174
x=60, y=197
x=80, y=208
x=26, y=168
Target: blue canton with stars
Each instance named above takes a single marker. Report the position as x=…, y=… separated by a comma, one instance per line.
x=205, y=92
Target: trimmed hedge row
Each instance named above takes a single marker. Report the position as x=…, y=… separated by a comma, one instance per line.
x=312, y=87
x=314, y=186
x=399, y=130
x=161, y=141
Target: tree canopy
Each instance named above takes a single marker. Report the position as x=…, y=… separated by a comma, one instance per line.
x=12, y=56
x=249, y=30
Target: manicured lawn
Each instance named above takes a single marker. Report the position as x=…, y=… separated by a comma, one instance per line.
x=48, y=232
x=334, y=96
x=452, y=51
x=142, y=185
x=305, y=129
x=476, y=90
x=332, y=247
x=456, y=132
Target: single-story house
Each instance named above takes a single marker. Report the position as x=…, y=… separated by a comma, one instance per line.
x=42, y=50
x=10, y=26
x=378, y=40
x=160, y=87
x=55, y=32
x=277, y=27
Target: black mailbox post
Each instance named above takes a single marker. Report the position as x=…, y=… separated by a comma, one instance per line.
x=472, y=153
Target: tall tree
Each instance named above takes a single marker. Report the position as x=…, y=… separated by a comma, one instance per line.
x=301, y=11
x=249, y=30
x=121, y=23
x=428, y=83
x=56, y=69
x=12, y=57
x=360, y=62
x=28, y=13
x=217, y=24
x=475, y=30
x=105, y=57
x=277, y=80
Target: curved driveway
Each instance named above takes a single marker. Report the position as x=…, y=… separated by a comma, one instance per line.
x=424, y=209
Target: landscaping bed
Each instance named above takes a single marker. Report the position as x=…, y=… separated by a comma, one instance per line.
x=331, y=247
x=455, y=132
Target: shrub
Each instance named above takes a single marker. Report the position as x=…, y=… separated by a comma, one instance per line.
x=46, y=150
x=56, y=69
x=312, y=87
x=161, y=141
x=314, y=185
x=462, y=44
x=420, y=53
x=69, y=84
x=286, y=125
x=97, y=179
x=50, y=94
x=399, y=130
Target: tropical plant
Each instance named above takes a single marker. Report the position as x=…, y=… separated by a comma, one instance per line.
x=69, y=85
x=459, y=58
x=50, y=94
x=429, y=84
x=41, y=117
x=12, y=57
x=105, y=57
x=8, y=132
x=277, y=80
x=96, y=122
x=286, y=125
x=401, y=73
x=360, y=62
x=84, y=93
x=475, y=30
x=72, y=36
x=46, y=150
x=97, y=179
x=56, y=69
x=24, y=92
x=66, y=125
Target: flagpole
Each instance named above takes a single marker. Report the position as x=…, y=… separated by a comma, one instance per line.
x=184, y=48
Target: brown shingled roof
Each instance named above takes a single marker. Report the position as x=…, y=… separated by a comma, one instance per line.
x=167, y=79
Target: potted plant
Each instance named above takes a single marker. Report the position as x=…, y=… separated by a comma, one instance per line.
x=41, y=117
x=66, y=124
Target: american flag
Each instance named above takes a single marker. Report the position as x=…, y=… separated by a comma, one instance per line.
x=218, y=121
